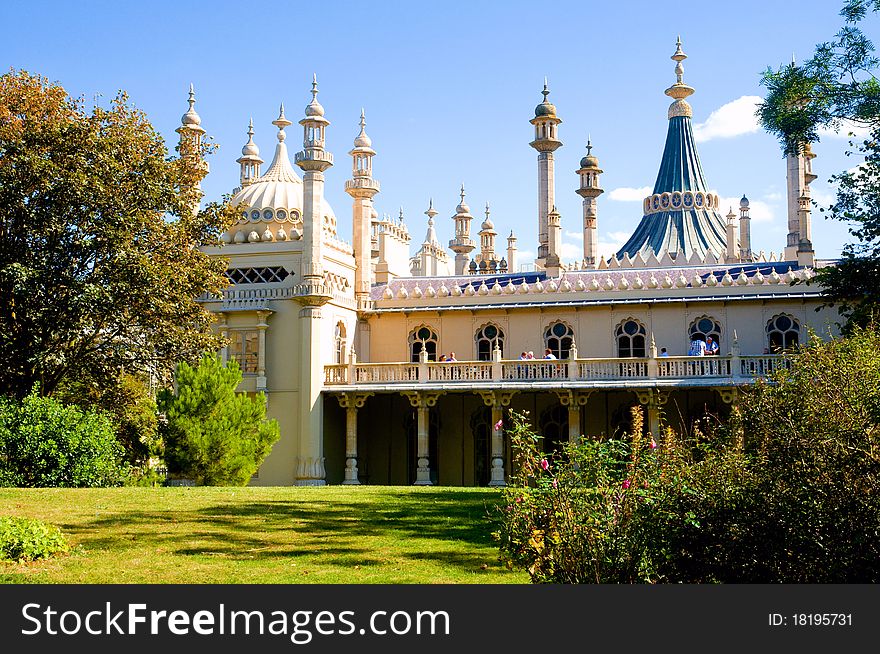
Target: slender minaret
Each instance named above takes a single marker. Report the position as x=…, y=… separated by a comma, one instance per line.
x=487, y=238
x=546, y=141
x=511, y=252
x=312, y=294
x=733, y=250
x=362, y=187
x=554, y=243
x=249, y=160
x=190, y=149
x=745, y=231
x=590, y=190
x=799, y=245
x=462, y=244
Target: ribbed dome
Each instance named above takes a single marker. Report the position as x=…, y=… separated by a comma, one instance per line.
x=279, y=188
x=545, y=109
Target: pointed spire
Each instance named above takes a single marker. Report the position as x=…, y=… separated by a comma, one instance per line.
x=431, y=212
x=314, y=107
x=281, y=122
x=679, y=91
x=362, y=140
x=250, y=148
x=462, y=206
x=191, y=119
x=589, y=145
x=546, y=90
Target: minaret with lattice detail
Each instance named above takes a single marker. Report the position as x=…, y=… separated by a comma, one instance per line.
x=546, y=142
x=362, y=187
x=462, y=244
x=190, y=147
x=249, y=160
x=311, y=293
x=590, y=190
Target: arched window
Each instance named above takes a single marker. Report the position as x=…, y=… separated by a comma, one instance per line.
x=558, y=338
x=423, y=337
x=486, y=338
x=630, y=336
x=705, y=326
x=340, y=342
x=783, y=333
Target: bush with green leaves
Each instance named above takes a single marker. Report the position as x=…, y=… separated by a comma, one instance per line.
x=784, y=491
x=46, y=443
x=212, y=434
x=23, y=539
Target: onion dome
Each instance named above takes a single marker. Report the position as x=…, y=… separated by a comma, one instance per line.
x=250, y=148
x=314, y=107
x=487, y=224
x=590, y=161
x=545, y=108
x=744, y=203
x=362, y=140
x=191, y=118
x=462, y=207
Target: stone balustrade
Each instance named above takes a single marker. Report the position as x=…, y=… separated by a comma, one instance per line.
x=731, y=369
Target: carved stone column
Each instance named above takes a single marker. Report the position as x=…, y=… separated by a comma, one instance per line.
x=262, y=326
x=351, y=402
x=574, y=400
x=497, y=400
x=653, y=399
x=422, y=401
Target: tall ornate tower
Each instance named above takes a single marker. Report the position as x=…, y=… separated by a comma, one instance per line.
x=311, y=292
x=590, y=190
x=546, y=142
x=799, y=244
x=362, y=187
x=733, y=250
x=511, y=252
x=745, y=231
x=190, y=148
x=462, y=244
x=554, y=243
x=249, y=160
x=681, y=215
x=487, y=238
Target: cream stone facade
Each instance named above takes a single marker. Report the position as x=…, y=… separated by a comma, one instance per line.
x=345, y=339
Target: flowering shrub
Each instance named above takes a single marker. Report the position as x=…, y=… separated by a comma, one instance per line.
x=577, y=519
x=784, y=492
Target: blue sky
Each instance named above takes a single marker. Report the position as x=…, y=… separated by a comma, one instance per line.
x=449, y=88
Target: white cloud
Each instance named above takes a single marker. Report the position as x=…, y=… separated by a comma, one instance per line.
x=844, y=129
x=611, y=242
x=576, y=236
x=823, y=196
x=572, y=251
x=629, y=194
x=732, y=119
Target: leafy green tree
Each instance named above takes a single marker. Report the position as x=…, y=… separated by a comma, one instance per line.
x=837, y=88
x=130, y=404
x=45, y=443
x=100, y=264
x=213, y=434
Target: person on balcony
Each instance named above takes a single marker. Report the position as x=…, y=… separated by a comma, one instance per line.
x=442, y=358
x=548, y=354
x=697, y=348
x=663, y=352
x=711, y=346
x=452, y=357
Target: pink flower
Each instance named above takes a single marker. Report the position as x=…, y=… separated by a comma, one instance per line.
x=519, y=499
x=555, y=483
x=498, y=426
x=653, y=444
x=626, y=484
x=545, y=464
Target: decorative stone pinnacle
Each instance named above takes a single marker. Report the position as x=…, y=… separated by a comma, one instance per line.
x=431, y=212
x=462, y=192
x=314, y=86
x=589, y=146
x=546, y=90
x=281, y=122
x=363, y=120
x=250, y=131
x=487, y=210
x=192, y=96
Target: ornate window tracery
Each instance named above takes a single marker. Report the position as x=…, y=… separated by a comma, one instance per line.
x=705, y=326
x=423, y=337
x=486, y=338
x=783, y=333
x=630, y=336
x=558, y=338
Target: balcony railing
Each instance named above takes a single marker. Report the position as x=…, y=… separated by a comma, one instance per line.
x=733, y=367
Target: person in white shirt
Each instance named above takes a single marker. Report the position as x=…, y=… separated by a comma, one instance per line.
x=548, y=354
x=697, y=348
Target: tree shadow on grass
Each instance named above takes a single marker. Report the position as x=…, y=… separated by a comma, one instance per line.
x=448, y=527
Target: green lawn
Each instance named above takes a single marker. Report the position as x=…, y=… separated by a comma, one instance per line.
x=336, y=534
